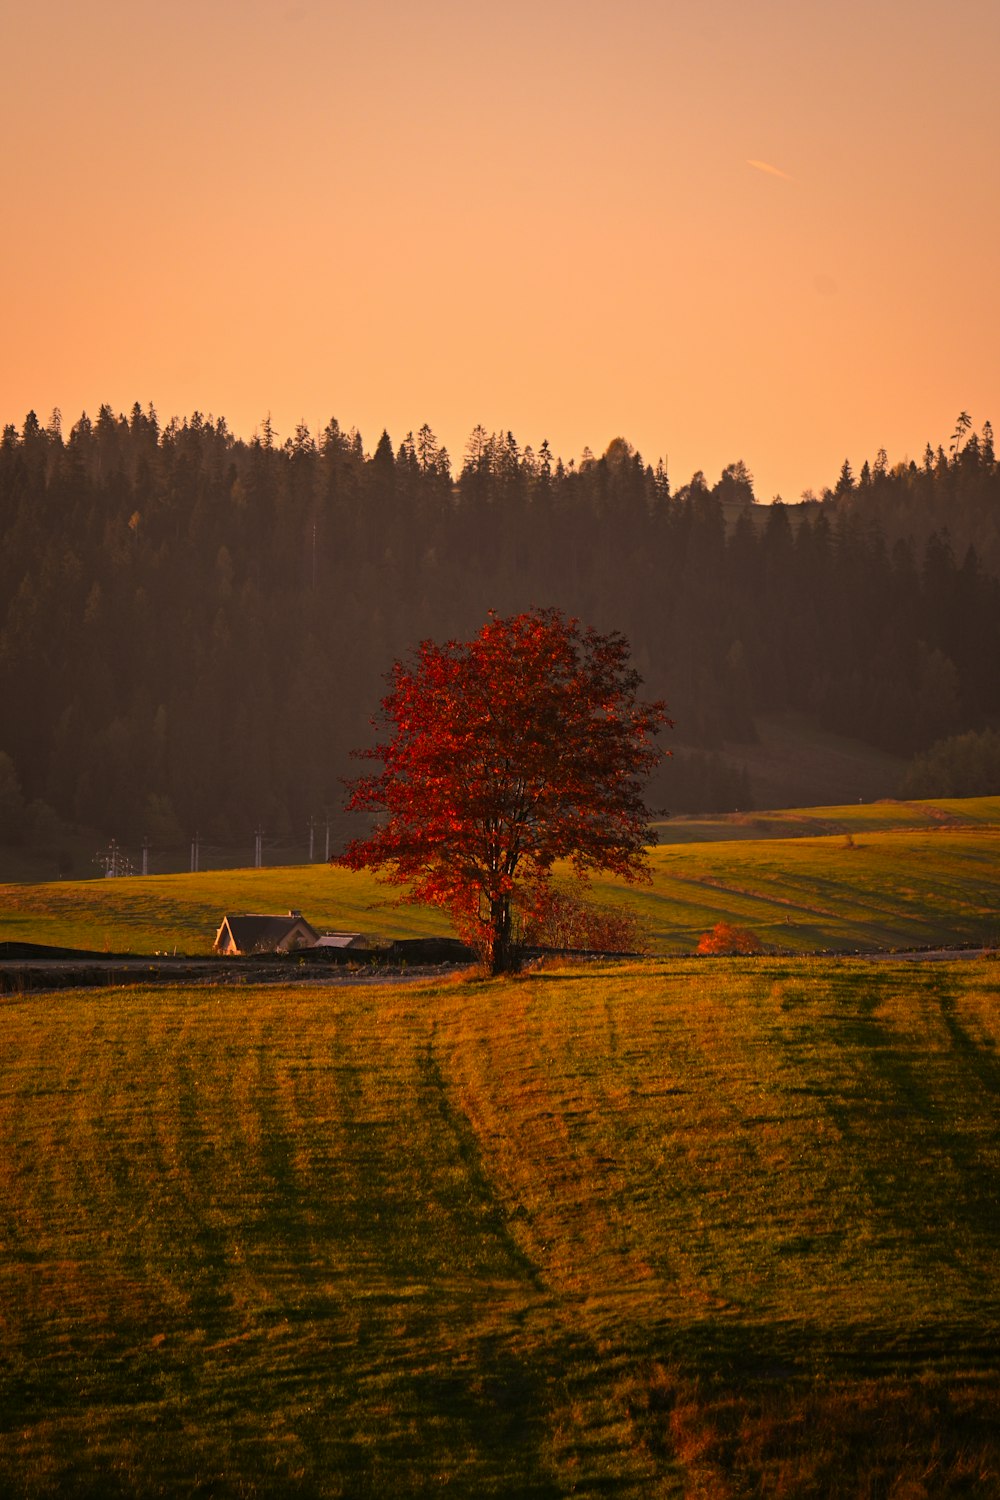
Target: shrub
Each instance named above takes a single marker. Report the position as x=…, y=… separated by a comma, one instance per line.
x=563, y=919
x=725, y=938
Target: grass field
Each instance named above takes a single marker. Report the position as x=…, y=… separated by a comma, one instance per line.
x=852, y=818
x=674, y=1228
x=871, y=876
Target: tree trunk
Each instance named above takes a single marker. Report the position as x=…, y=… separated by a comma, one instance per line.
x=505, y=958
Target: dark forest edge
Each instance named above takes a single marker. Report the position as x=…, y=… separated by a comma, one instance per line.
x=194, y=629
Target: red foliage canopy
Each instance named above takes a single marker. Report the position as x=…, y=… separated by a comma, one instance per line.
x=523, y=746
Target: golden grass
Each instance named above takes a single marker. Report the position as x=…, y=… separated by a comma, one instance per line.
x=677, y=1228
x=884, y=816
x=914, y=875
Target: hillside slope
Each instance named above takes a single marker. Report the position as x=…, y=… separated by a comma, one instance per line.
x=890, y=875
x=672, y=1229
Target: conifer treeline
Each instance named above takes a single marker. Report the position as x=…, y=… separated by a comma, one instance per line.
x=194, y=629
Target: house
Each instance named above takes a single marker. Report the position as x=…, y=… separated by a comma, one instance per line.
x=254, y=932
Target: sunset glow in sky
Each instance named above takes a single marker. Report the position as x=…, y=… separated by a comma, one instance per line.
x=765, y=231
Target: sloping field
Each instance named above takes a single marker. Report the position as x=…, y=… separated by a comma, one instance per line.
x=674, y=1229
x=880, y=890
x=852, y=818
x=163, y=913
x=888, y=875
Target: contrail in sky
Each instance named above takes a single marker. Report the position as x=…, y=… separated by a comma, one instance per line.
x=765, y=166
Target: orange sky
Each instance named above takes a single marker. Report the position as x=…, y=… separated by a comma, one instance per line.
x=727, y=230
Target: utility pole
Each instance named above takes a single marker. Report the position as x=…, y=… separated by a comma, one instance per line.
x=327, y=855
x=195, y=852
x=258, y=848
x=312, y=830
x=145, y=854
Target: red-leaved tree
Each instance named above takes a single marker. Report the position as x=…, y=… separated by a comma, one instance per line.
x=524, y=746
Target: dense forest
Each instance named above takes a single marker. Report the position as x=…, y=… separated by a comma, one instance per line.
x=194, y=629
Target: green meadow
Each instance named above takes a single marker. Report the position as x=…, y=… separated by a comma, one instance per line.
x=859, y=878
x=672, y=1228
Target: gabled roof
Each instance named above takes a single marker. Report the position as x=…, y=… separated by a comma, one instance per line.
x=257, y=932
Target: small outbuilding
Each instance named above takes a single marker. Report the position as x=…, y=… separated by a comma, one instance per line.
x=343, y=940
x=257, y=932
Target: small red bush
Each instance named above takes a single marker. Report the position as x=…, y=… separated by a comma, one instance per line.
x=725, y=938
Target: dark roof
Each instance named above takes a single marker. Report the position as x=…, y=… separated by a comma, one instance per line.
x=254, y=932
